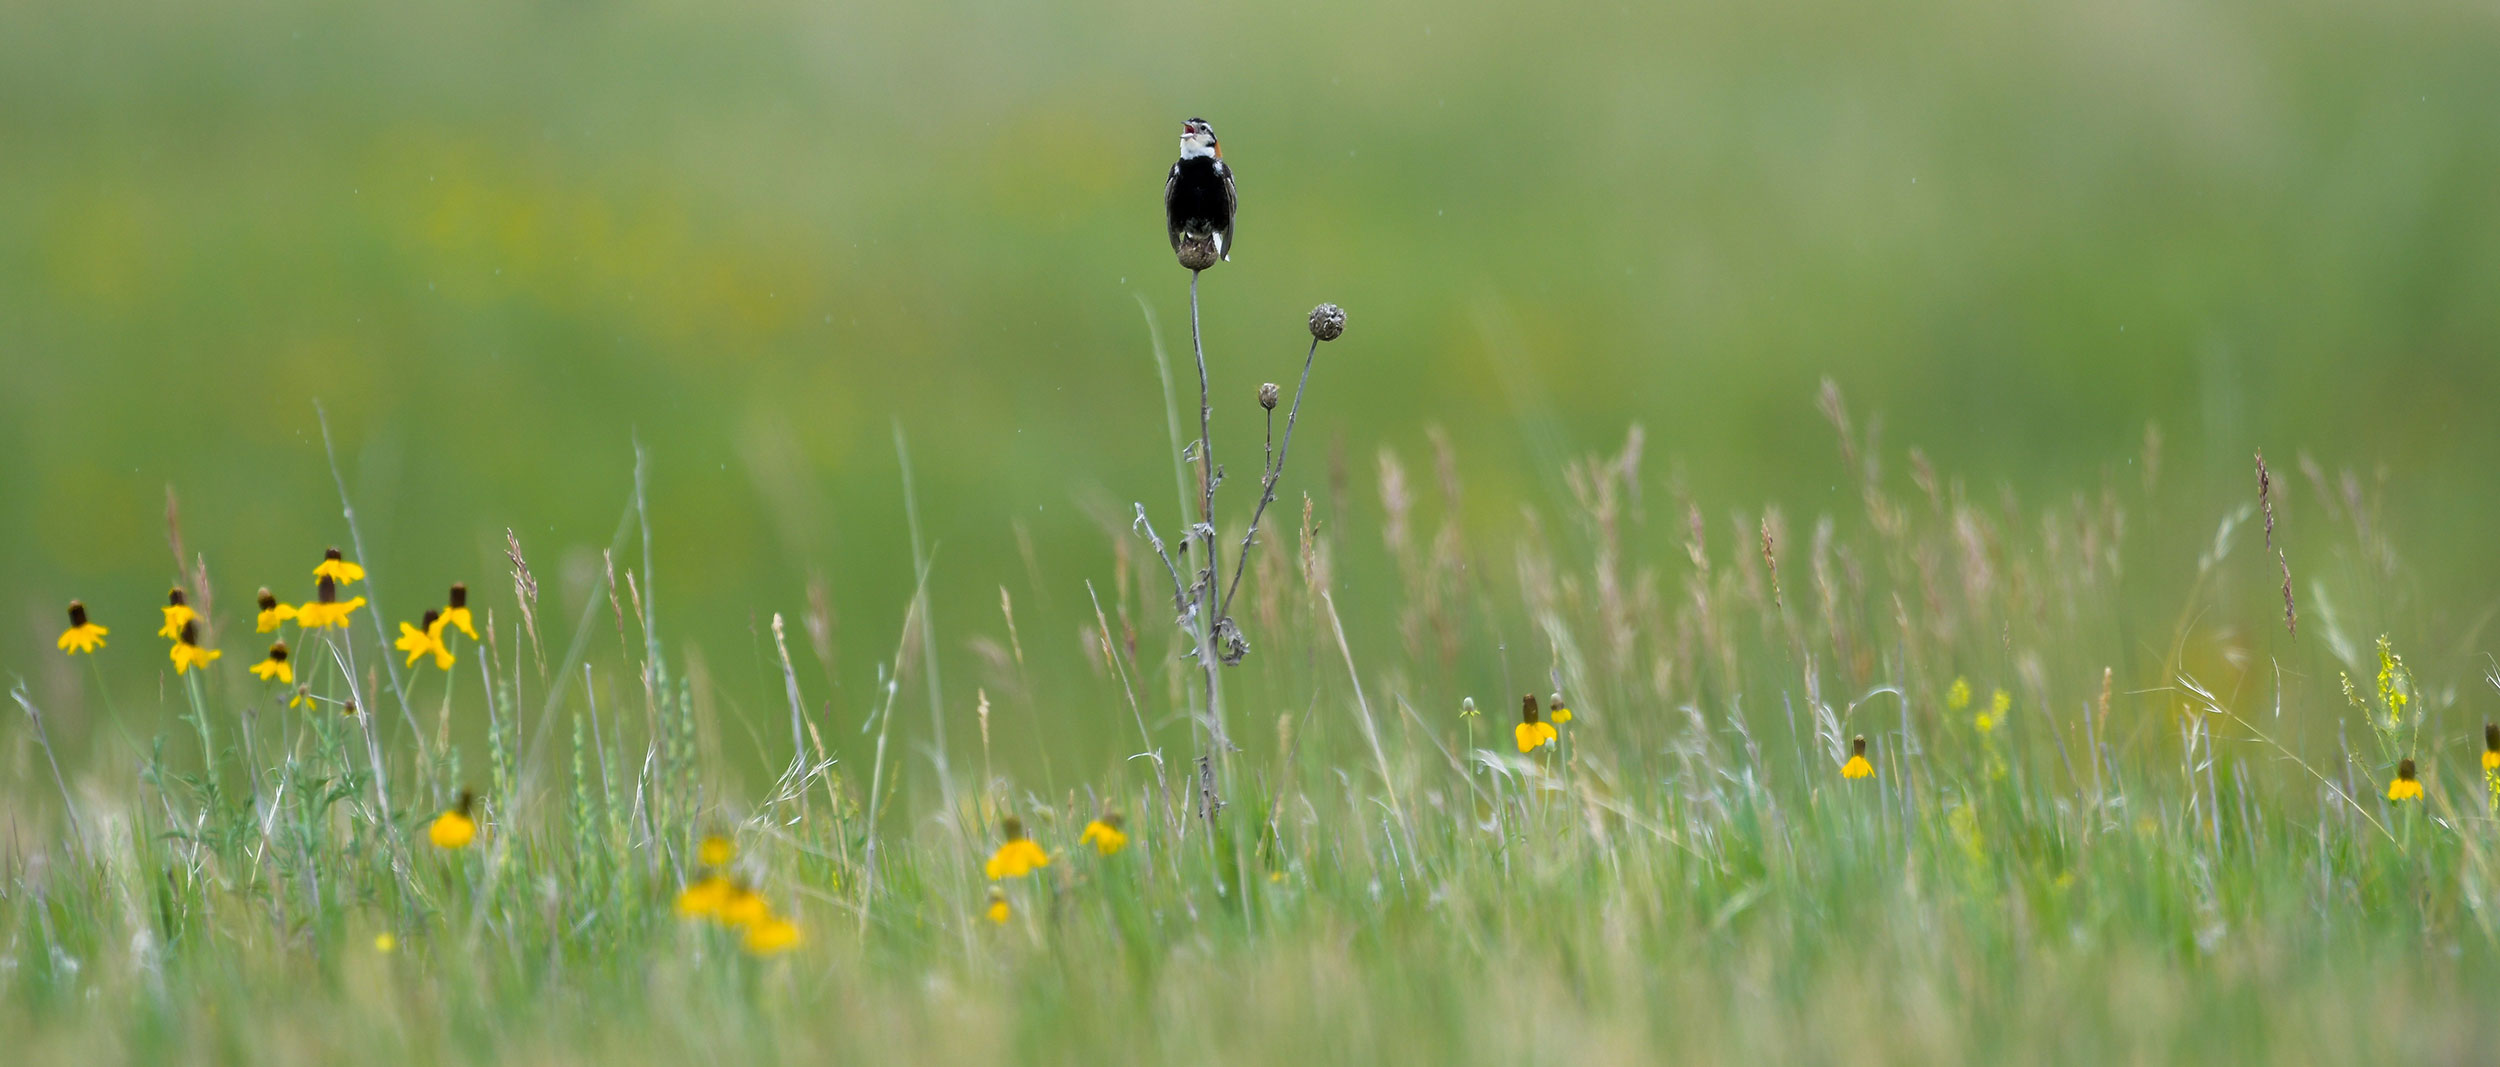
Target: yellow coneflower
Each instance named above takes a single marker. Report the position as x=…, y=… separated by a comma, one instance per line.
x=455, y=828
x=2406, y=786
x=83, y=635
x=271, y=612
x=327, y=609
x=1530, y=732
x=770, y=936
x=1561, y=714
x=457, y=614
x=187, y=652
x=715, y=851
x=1018, y=855
x=1104, y=834
x=2491, y=766
x=419, y=641
x=336, y=568
x=703, y=899
x=276, y=668
x=744, y=907
x=998, y=911
x=1857, y=767
x=177, y=616
x=300, y=698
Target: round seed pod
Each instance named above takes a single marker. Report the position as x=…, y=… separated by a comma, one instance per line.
x=1328, y=322
x=1197, y=251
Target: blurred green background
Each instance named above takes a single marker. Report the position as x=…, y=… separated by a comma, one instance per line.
x=501, y=240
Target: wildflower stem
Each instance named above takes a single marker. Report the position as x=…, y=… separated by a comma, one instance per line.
x=69, y=808
x=208, y=751
x=373, y=598
x=1203, y=582
x=1267, y=481
x=1171, y=410
x=1206, y=415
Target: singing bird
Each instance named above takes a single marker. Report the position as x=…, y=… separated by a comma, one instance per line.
x=1198, y=197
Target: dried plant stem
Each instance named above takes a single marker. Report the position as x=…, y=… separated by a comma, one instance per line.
x=1203, y=583
x=1267, y=482
x=69, y=808
x=373, y=600
x=1206, y=414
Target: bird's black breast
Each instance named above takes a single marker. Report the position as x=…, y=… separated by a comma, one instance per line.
x=1197, y=198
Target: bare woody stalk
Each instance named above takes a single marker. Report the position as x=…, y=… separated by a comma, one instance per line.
x=1202, y=601
x=1327, y=323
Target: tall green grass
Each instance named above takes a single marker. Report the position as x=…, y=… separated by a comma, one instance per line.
x=2169, y=841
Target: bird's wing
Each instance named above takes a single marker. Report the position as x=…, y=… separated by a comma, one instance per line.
x=1232, y=206
x=1171, y=225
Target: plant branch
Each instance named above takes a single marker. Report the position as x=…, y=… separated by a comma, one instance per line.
x=1267, y=482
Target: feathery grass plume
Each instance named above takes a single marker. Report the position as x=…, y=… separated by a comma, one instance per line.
x=2265, y=501
x=503, y=738
x=586, y=850
x=525, y=593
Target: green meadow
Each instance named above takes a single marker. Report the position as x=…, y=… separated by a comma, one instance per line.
x=2088, y=406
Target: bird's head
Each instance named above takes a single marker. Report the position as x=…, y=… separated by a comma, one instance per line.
x=1198, y=139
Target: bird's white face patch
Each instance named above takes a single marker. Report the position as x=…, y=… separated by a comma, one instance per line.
x=1197, y=140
